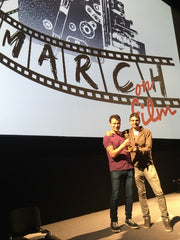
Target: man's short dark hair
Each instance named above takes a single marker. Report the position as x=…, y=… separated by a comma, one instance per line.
x=116, y=116
x=134, y=115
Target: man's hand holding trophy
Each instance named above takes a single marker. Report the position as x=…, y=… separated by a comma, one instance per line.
x=133, y=147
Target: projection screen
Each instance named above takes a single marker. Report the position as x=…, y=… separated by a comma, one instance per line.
x=67, y=65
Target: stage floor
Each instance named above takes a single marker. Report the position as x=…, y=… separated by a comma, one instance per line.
x=96, y=225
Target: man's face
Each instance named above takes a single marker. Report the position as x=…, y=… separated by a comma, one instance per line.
x=134, y=121
x=115, y=124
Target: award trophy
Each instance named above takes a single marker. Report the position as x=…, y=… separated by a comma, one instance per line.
x=126, y=135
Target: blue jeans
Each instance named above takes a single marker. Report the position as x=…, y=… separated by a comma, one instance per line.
x=127, y=178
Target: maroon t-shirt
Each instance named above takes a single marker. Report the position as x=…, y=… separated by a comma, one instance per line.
x=123, y=160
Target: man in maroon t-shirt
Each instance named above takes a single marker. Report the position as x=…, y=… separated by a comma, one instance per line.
x=121, y=170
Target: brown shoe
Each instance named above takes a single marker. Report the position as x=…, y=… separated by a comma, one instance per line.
x=147, y=222
x=167, y=224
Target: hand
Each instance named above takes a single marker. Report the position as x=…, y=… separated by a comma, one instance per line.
x=109, y=133
x=135, y=149
x=126, y=142
x=131, y=149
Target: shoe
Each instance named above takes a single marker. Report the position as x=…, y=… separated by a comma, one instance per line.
x=131, y=224
x=147, y=222
x=115, y=227
x=167, y=224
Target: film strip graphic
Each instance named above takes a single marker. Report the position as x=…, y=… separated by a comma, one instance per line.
x=64, y=87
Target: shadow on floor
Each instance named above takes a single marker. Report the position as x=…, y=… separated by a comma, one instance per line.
x=156, y=232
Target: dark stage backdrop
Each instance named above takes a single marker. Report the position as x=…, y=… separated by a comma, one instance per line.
x=68, y=177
